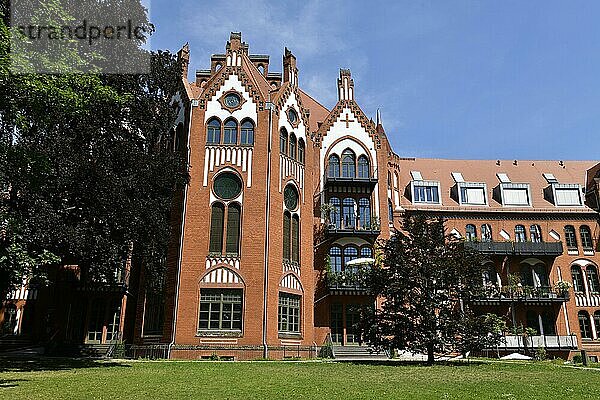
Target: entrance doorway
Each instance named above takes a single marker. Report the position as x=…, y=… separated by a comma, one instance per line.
x=103, y=322
x=343, y=317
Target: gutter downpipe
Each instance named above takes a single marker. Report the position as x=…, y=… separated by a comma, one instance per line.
x=185, y=193
x=269, y=105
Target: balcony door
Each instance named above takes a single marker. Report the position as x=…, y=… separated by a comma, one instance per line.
x=103, y=321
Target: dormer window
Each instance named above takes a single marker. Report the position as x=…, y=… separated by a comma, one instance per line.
x=472, y=193
x=427, y=192
x=566, y=194
x=515, y=194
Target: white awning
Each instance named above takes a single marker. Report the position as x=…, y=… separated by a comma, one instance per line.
x=361, y=261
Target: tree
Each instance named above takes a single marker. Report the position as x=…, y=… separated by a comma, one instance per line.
x=85, y=172
x=425, y=281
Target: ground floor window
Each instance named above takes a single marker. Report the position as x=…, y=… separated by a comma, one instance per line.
x=221, y=309
x=154, y=313
x=289, y=313
x=584, y=325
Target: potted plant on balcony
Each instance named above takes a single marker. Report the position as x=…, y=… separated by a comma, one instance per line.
x=326, y=210
x=514, y=285
x=562, y=288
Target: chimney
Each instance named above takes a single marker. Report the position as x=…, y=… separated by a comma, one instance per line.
x=183, y=55
x=290, y=71
x=345, y=85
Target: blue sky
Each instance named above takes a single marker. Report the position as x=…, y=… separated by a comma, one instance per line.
x=453, y=79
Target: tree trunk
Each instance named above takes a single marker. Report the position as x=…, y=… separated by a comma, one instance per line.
x=430, y=356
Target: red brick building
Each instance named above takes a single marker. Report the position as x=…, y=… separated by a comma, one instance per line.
x=286, y=194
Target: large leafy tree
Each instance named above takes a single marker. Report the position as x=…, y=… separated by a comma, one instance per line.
x=425, y=281
x=86, y=178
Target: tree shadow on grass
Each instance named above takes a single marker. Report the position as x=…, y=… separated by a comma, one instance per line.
x=407, y=363
x=10, y=383
x=17, y=364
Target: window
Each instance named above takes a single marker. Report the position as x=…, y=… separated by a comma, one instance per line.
x=364, y=213
x=584, y=325
x=597, y=322
x=486, y=233
x=247, y=133
x=425, y=193
x=390, y=211
x=287, y=226
x=295, y=239
x=570, y=237
x=217, y=219
x=489, y=275
x=290, y=197
x=348, y=164
x=363, y=167
x=230, y=132
x=154, y=312
x=293, y=154
x=333, y=170
x=471, y=233
x=515, y=194
x=566, y=195
x=283, y=141
x=350, y=253
x=472, y=193
x=520, y=235
x=291, y=225
x=336, y=213
x=577, y=277
x=349, y=217
x=288, y=317
x=227, y=186
x=234, y=212
x=592, y=278
x=220, y=309
x=586, y=237
x=301, y=150
x=536, y=233
x=366, y=252
x=213, y=131
x=335, y=258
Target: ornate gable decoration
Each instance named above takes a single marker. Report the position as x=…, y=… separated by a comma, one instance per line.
x=284, y=92
x=336, y=113
x=232, y=100
x=217, y=81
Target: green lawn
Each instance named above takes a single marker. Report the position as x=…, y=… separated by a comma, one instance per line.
x=53, y=379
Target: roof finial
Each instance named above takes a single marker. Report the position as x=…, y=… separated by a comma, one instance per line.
x=378, y=118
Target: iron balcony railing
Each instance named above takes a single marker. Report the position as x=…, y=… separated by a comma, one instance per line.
x=364, y=181
x=355, y=227
x=518, y=248
x=526, y=294
x=552, y=342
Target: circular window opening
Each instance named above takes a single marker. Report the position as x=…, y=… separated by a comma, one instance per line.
x=290, y=197
x=232, y=100
x=292, y=116
x=227, y=186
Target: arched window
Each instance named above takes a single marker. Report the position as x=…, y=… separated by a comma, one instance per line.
x=350, y=253
x=287, y=226
x=363, y=167
x=389, y=180
x=486, y=233
x=586, y=237
x=540, y=276
x=293, y=145
x=527, y=275
x=348, y=213
x=471, y=233
x=536, y=233
x=577, y=277
x=364, y=213
x=520, y=235
x=336, y=212
x=366, y=252
x=597, y=322
x=348, y=164
x=489, y=275
x=584, y=325
x=333, y=170
x=296, y=238
x=570, y=237
x=301, y=151
x=217, y=220
x=335, y=258
x=213, y=131
x=247, y=133
x=283, y=141
x=390, y=211
x=230, y=132
x=592, y=278
x=234, y=212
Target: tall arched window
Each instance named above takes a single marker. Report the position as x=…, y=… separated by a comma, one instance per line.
x=570, y=237
x=363, y=167
x=350, y=253
x=291, y=224
x=366, y=252
x=336, y=213
x=283, y=141
x=348, y=213
x=364, y=213
x=217, y=220
x=213, y=131
x=333, y=169
x=335, y=258
x=584, y=324
x=471, y=233
x=520, y=235
x=301, y=151
x=348, y=164
x=597, y=322
x=536, y=233
x=247, y=136
x=234, y=212
x=287, y=226
x=293, y=145
x=390, y=211
x=230, y=132
x=577, y=277
x=296, y=238
x=486, y=233
x=592, y=278
x=586, y=237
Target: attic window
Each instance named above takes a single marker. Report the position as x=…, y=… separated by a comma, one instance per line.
x=457, y=176
x=472, y=193
x=502, y=177
x=416, y=175
x=550, y=178
x=515, y=194
x=566, y=194
x=427, y=192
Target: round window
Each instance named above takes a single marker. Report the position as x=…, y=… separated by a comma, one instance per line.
x=232, y=100
x=292, y=116
x=290, y=197
x=227, y=186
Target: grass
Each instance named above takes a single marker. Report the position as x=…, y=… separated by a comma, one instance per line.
x=84, y=379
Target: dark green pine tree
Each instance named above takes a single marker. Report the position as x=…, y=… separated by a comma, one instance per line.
x=425, y=281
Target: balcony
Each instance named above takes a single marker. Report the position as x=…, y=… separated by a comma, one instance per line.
x=518, y=248
x=347, y=282
x=366, y=182
x=354, y=229
x=549, y=342
x=116, y=282
x=525, y=294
